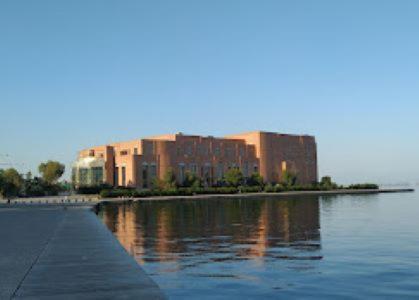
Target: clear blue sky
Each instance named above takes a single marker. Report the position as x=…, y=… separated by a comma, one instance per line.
x=81, y=73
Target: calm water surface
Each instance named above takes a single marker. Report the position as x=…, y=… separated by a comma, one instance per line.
x=304, y=247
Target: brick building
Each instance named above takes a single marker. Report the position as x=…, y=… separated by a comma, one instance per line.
x=136, y=163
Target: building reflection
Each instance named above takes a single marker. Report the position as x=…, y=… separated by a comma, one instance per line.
x=225, y=229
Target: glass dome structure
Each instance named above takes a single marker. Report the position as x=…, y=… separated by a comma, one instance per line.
x=88, y=171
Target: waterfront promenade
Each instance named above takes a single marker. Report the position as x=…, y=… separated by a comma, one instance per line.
x=65, y=252
x=93, y=200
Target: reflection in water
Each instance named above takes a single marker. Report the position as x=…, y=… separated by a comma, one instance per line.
x=192, y=233
x=270, y=249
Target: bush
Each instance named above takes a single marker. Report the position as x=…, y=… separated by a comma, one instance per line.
x=89, y=190
x=192, y=180
x=189, y=191
x=269, y=188
x=254, y=180
x=327, y=184
x=119, y=192
x=289, y=178
x=364, y=186
x=250, y=189
x=234, y=177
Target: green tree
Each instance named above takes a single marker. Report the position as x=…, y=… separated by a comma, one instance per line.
x=289, y=179
x=167, y=182
x=11, y=183
x=1, y=181
x=327, y=183
x=191, y=180
x=34, y=187
x=51, y=171
x=169, y=179
x=234, y=177
x=255, y=180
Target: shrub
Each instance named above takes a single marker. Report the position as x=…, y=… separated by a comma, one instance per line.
x=269, y=188
x=94, y=189
x=364, y=186
x=326, y=184
x=234, y=177
x=191, y=180
x=250, y=189
x=119, y=192
x=289, y=178
x=254, y=180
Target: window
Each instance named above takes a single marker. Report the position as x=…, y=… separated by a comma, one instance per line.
x=181, y=172
x=145, y=175
x=246, y=169
x=193, y=168
x=256, y=169
x=97, y=175
x=207, y=174
x=153, y=171
x=123, y=152
x=91, y=152
x=83, y=176
x=116, y=177
x=135, y=151
x=220, y=171
x=123, y=176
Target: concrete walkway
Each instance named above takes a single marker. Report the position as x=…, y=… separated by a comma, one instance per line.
x=52, y=252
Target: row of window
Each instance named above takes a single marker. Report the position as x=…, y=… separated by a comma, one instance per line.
x=206, y=169
x=148, y=172
x=188, y=149
x=203, y=150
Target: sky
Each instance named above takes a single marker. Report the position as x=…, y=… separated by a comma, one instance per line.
x=79, y=73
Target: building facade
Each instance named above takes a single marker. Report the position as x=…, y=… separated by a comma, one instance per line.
x=137, y=163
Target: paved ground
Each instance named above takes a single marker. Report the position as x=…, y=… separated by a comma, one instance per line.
x=52, y=252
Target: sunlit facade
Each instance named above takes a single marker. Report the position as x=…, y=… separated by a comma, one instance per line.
x=137, y=163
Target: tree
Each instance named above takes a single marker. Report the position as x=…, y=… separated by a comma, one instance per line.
x=10, y=183
x=169, y=179
x=327, y=183
x=51, y=171
x=1, y=181
x=289, y=179
x=326, y=180
x=34, y=187
x=255, y=180
x=191, y=180
x=234, y=177
x=167, y=182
